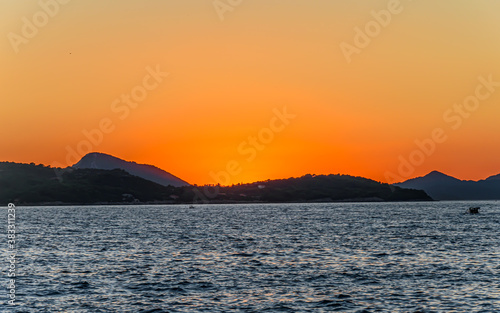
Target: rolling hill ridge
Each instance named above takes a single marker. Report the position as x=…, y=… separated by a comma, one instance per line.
x=444, y=187
x=103, y=179
x=152, y=173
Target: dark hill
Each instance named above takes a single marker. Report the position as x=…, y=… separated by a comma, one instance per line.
x=443, y=187
x=321, y=188
x=104, y=161
x=37, y=184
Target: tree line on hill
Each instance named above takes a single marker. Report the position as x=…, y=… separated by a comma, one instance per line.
x=32, y=184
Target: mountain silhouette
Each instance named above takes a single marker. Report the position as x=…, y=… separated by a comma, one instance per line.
x=322, y=188
x=31, y=184
x=444, y=187
x=495, y=177
x=102, y=161
x=40, y=184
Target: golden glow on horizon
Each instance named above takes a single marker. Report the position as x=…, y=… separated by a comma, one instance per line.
x=226, y=78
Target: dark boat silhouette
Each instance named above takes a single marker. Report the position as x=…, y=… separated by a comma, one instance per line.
x=473, y=210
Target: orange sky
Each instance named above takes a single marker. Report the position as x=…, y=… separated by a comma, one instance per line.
x=230, y=70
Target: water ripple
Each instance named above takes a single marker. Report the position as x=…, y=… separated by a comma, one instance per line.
x=399, y=257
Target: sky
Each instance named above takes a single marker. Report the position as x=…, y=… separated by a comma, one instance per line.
x=232, y=91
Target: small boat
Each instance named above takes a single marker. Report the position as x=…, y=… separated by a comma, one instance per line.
x=191, y=206
x=474, y=210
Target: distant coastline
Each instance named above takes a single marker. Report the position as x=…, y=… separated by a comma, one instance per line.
x=60, y=204
x=101, y=179
x=31, y=184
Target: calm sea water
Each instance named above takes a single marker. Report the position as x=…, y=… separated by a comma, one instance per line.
x=384, y=257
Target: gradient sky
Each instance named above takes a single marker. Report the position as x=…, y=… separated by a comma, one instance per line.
x=227, y=76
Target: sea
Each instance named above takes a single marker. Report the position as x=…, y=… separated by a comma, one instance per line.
x=323, y=257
